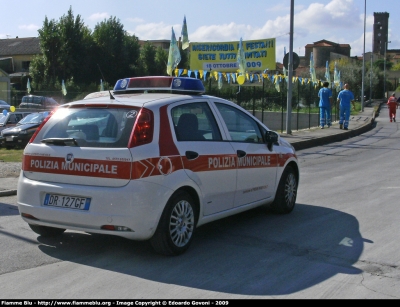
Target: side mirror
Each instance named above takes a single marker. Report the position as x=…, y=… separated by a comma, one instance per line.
x=271, y=137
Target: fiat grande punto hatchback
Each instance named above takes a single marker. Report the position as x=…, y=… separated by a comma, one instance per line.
x=152, y=160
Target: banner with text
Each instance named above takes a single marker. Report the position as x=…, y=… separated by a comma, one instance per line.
x=222, y=56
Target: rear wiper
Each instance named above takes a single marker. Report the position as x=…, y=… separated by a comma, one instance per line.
x=60, y=141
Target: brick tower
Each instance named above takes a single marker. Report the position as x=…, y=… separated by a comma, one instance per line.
x=380, y=35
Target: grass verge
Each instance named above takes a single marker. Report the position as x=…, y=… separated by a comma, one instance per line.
x=11, y=155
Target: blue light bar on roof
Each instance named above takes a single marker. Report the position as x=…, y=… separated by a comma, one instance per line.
x=161, y=83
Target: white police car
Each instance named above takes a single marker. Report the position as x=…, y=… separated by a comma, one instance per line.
x=152, y=161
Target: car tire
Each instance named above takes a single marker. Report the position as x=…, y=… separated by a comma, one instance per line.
x=177, y=225
x=285, y=198
x=46, y=231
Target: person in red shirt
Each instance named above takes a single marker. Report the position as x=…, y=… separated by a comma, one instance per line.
x=392, y=105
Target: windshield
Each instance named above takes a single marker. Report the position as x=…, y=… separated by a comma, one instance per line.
x=3, y=103
x=3, y=118
x=34, y=118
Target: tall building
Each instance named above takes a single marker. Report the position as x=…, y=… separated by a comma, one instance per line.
x=380, y=35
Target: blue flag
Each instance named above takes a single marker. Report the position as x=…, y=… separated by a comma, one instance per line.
x=312, y=69
x=241, y=60
x=63, y=89
x=327, y=74
x=28, y=86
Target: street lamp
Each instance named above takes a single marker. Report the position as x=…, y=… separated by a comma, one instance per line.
x=384, y=69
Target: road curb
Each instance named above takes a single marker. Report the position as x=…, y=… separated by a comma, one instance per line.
x=8, y=192
x=342, y=135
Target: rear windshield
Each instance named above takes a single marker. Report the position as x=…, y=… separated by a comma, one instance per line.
x=33, y=99
x=90, y=127
x=33, y=118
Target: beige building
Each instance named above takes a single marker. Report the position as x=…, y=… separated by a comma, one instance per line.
x=15, y=57
x=5, y=86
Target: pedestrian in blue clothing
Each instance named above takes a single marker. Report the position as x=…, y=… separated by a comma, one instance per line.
x=325, y=102
x=345, y=97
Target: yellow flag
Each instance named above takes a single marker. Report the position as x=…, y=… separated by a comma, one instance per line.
x=216, y=75
x=184, y=33
x=174, y=56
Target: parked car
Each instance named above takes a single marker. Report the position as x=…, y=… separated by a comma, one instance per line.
x=153, y=160
x=38, y=102
x=10, y=119
x=20, y=135
x=4, y=106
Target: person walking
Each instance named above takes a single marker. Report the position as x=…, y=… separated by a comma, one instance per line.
x=345, y=97
x=325, y=102
x=392, y=106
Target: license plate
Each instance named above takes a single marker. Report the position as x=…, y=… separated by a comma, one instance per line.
x=9, y=139
x=66, y=201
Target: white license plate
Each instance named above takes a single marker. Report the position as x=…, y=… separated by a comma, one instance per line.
x=9, y=139
x=66, y=201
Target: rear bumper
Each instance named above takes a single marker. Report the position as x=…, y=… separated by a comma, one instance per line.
x=137, y=206
x=13, y=141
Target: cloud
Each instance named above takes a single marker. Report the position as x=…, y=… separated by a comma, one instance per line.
x=152, y=31
x=99, y=16
x=339, y=21
x=320, y=18
x=135, y=20
x=221, y=33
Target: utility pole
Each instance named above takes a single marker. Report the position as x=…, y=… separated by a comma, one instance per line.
x=290, y=74
x=370, y=79
x=363, y=68
x=384, y=70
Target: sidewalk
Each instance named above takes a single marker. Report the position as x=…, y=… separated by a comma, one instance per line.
x=315, y=136
x=301, y=139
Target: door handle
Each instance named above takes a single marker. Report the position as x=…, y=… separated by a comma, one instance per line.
x=241, y=153
x=191, y=155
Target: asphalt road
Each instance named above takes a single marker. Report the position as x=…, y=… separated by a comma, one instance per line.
x=340, y=242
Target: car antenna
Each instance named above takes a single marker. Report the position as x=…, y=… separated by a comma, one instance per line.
x=111, y=96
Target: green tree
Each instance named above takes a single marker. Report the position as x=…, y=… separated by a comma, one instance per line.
x=381, y=64
x=76, y=41
x=131, y=54
x=65, y=55
x=396, y=66
x=44, y=68
x=161, y=60
x=147, y=58
x=184, y=63
x=117, y=53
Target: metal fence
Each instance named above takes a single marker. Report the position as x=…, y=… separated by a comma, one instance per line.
x=264, y=102
x=270, y=107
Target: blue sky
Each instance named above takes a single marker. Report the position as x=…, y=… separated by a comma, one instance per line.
x=340, y=21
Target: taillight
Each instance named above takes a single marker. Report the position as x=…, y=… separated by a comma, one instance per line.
x=41, y=125
x=143, y=129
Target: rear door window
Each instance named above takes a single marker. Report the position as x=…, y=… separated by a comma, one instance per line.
x=195, y=122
